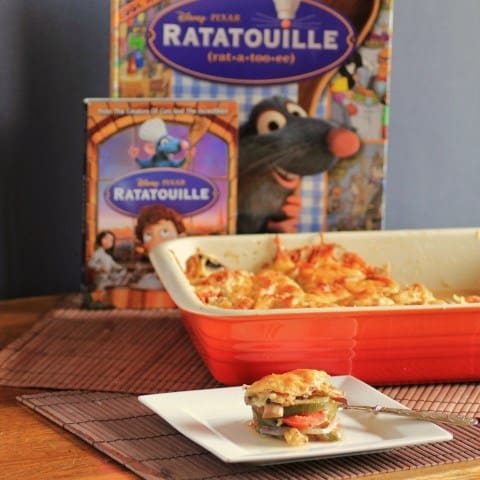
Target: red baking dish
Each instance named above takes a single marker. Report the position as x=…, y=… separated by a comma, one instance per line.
x=379, y=345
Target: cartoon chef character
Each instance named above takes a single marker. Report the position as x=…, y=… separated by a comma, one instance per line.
x=163, y=149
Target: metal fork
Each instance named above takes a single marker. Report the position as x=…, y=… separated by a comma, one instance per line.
x=429, y=416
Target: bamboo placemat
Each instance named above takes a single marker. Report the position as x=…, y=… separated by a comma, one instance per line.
x=129, y=351
x=121, y=427
x=149, y=351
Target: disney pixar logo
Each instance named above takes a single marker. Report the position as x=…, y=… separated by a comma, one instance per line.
x=186, y=193
x=252, y=41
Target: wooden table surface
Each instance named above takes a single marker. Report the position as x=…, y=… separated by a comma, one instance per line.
x=33, y=448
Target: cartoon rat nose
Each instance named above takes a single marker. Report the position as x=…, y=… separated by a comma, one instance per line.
x=342, y=142
x=184, y=144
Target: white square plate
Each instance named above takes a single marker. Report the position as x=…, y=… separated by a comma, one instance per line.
x=218, y=420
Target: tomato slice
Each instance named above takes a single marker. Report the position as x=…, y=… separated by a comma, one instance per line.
x=306, y=420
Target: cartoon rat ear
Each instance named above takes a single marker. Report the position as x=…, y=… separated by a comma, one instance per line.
x=153, y=129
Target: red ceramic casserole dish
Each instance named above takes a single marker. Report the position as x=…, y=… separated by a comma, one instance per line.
x=379, y=345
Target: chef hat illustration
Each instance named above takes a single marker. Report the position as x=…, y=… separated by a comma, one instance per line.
x=286, y=9
x=153, y=129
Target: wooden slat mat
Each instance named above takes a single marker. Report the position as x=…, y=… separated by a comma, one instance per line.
x=125, y=351
x=121, y=427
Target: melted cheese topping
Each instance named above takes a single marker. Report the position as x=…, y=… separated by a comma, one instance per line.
x=286, y=388
x=323, y=275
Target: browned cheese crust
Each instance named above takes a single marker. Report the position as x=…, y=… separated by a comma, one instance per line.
x=312, y=276
x=285, y=388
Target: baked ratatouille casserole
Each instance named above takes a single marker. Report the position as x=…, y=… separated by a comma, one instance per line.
x=297, y=406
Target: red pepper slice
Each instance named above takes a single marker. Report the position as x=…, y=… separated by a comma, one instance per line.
x=306, y=420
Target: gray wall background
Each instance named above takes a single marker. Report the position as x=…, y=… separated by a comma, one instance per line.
x=55, y=52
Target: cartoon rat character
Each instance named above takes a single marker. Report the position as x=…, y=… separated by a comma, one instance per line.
x=161, y=146
x=279, y=144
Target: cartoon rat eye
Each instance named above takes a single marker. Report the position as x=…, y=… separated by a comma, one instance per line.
x=296, y=110
x=164, y=141
x=147, y=237
x=269, y=121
